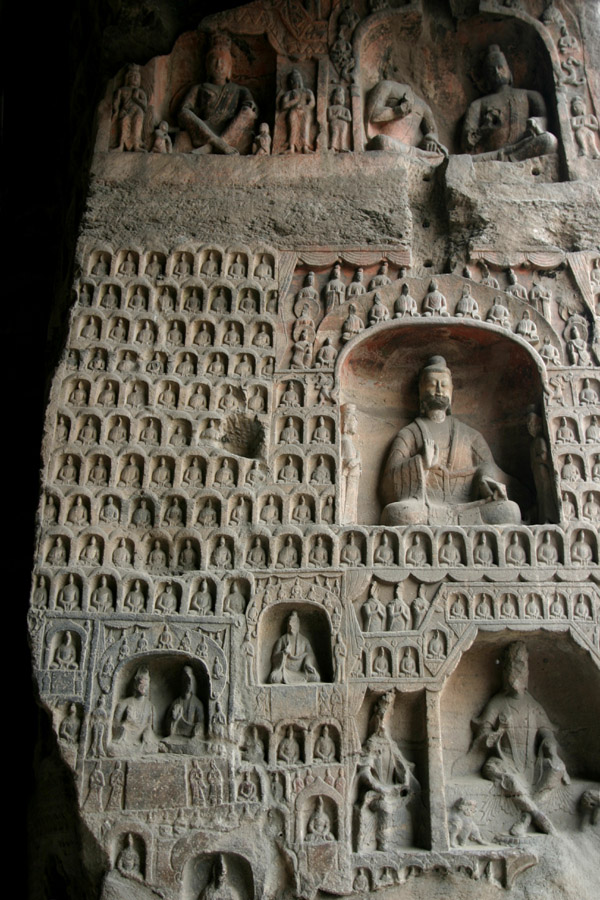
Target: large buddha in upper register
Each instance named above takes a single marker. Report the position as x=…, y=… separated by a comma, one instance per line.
x=439, y=470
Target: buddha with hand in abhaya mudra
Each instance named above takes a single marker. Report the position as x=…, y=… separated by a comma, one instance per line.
x=439, y=470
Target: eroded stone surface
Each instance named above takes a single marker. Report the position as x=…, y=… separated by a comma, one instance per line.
x=315, y=605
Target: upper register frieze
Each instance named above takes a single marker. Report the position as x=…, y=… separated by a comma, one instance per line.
x=507, y=85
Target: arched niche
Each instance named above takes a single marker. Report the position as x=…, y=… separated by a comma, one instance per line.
x=442, y=65
x=166, y=673
x=495, y=381
x=314, y=626
x=199, y=874
x=563, y=681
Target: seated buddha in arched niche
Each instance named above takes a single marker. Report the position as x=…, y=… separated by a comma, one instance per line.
x=439, y=470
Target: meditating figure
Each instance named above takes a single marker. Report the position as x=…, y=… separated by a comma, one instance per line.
x=439, y=470
x=293, y=660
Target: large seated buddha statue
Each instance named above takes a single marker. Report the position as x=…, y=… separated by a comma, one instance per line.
x=508, y=123
x=440, y=471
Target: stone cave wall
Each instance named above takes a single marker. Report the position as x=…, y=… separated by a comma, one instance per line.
x=315, y=603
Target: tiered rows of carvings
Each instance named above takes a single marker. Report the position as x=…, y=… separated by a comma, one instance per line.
x=195, y=439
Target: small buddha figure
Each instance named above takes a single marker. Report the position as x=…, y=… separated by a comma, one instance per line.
x=154, y=268
x=110, y=299
x=157, y=558
x=79, y=395
x=318, y=827
x=128, y=363
x=289, y=433
x=207, y=517
x=222, y=557
x=224, y=475
x=235, y=601
x=592, y=432
x=188, y=558
x=467, y=307
x=379, y=311
x=405, y=305
x=262, y=338
x=256, y=474
x=515, y=553
x=527, y=329
x=69, y=596
x=288, y=751
x=581, y=609
x=65, y=655
x=142, y=516
x=270, y=512
x=101, y=266
x=229, y=402
x=319, y=555
x=416, y=555
x=162, y=474
x=564, y=432
x=186, y=366
x=449, y=552
x=591, y=507
x=289, y=472
x=588, y=396
x=382, y=279
x=302, y=512
x=90, y=555
x=202, y=601
x=117, y=433
x=62, y=431
x=350, y=554
x=78, y=514
x=102, y=598
x=219, y=115
x=91, y=331
x=287, y=557
x=384, y=555
x=293, y=660
x=326, y=355
x=321, y=474
x=482, y=553
x=256, y=555
x=352, y=325
x=419, y=463
x=135, y=601
x=133, y=720
x=581, y=552
x=499, y=314
x=408, y=666
x=179, y=437
x=434, y=303
x=239, y=513
x=508, y=123
x=68, y=471
x=570, y=471
x=197, y=400
x=130, y=103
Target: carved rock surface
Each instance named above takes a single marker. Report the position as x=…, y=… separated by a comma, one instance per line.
x=315, y=602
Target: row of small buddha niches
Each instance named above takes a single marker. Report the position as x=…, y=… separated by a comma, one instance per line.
x=315, y=604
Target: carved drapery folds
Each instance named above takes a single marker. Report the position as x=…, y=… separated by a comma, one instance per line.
x=318, y=551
